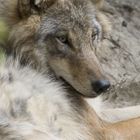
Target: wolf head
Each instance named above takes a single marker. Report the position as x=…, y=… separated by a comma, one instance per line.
x=68, y=31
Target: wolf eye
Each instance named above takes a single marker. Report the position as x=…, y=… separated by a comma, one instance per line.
x=94, y=36
x=63, y=39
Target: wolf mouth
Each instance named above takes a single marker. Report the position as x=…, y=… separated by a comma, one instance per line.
x=71, y=89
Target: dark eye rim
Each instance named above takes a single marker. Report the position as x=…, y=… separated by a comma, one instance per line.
x=94, y=36
x=62, y=39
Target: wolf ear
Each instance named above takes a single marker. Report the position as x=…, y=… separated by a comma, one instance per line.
x=28, y=7
x=98, y=3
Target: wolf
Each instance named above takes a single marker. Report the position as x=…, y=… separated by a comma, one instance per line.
x=61, y=36
x=32, y=105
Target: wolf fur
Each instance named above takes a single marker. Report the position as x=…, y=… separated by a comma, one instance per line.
x=34, y=107
x=29, y=28
x=61, y=34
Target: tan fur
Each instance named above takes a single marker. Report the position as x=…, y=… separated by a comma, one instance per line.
x=98, y=3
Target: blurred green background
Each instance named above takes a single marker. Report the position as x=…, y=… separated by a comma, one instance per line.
x=3, y=38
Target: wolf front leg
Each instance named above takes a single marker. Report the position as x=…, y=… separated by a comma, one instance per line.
x=126, y=130
x=120, y=114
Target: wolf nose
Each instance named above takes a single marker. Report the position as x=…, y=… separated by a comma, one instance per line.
x=100, y=86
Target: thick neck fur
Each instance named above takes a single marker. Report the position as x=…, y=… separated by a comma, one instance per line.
x=32, y=106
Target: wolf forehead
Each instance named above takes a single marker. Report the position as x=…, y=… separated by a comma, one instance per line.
x=69, y=15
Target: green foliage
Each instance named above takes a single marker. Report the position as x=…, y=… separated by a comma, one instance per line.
x=3, y=38
x=2, y=56
x=3, y=32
